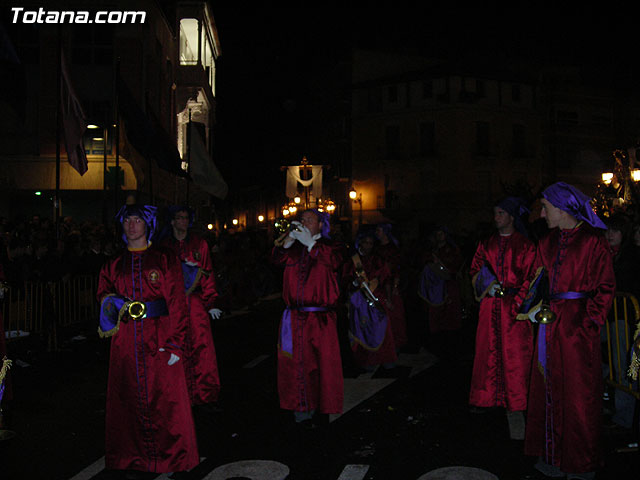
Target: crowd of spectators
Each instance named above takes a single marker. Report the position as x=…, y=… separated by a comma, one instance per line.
x=31, y=250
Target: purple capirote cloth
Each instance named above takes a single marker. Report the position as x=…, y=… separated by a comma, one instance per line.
x=568, y=198
x=367, y=324
x=432, y=288
x=484, y=279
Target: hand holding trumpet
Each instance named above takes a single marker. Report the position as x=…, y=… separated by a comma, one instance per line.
x=286, y=239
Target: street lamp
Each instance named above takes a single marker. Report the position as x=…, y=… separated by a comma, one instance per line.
x=357, y=198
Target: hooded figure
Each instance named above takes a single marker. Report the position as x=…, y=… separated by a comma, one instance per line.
x=149, y=425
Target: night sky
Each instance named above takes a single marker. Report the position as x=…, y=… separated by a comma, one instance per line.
x=268, y=71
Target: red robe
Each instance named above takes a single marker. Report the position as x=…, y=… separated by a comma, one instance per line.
x=311, y=377
x=396, y=313
x=504, y=345
x=149, y=425
x=201, y=366
x=375, y=268
x=565, y=407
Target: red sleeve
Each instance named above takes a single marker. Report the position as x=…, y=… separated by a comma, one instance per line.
x=208, y=291
x=604, y=286
x=106, y=285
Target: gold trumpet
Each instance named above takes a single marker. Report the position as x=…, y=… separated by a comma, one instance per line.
x=278, y=242
x=545, y=315
x=369, y=296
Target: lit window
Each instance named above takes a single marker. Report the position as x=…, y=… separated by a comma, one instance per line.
x=188, y=41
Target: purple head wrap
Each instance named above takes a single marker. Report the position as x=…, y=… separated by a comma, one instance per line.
x=145, y=212
x=568, y=198
x=386, y=228
x=362, y=235
x=515, y=207
x=173, y=209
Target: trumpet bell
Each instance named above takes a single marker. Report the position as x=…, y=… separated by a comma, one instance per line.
x=545, y=315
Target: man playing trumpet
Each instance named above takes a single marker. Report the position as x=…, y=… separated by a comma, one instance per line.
x=309, y=363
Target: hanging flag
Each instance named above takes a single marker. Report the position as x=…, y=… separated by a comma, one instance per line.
x=13, y=80
x=203, y=171
x=74, y=122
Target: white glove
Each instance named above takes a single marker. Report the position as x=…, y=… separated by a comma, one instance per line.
x=304, y=237
x=289, y=240
x=215, y=313
x=172, y=359
x=532, y=314
x=494, y=288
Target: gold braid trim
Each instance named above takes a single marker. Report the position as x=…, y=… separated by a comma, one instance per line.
x=634, y=366
x=121, y=313
x=196, y=281
x=6, y=365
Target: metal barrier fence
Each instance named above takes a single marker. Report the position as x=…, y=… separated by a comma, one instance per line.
x=619, y=328
x=40, y=308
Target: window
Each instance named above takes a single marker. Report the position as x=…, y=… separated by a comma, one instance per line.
x=564, y=117
x=92, y=45
x=427, y=89
x=519, y=141
x=480, y=90
x=482, y=138
x=374, y=103
x=188, y=41
x=515, y=93
x=392, y=139
x=427, y=143
x=392, y=92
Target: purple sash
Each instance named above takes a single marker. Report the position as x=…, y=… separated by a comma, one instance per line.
x=367, y=324
x=432, y=288
x=286, y=336
x=110, y=314
x=483, y=281
x=569, y=295
x=191, y=275
x=542, y=329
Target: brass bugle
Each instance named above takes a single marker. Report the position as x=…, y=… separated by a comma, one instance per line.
x=278, y=242
x=545, y=315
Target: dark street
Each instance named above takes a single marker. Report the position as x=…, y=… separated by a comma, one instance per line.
x=398, y=424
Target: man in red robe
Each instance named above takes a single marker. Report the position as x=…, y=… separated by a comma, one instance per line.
x=309, y=363
x=149, y=424
x=370, y=332
x=501, y=265
x=564, y=416
x=200, y=364
x=389, y=249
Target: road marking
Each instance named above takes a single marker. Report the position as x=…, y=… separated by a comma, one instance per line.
x=256, y=361
x=90, y=471
x=357, y=390
x=253, y=469
x=354, y=472
x=167, y=476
